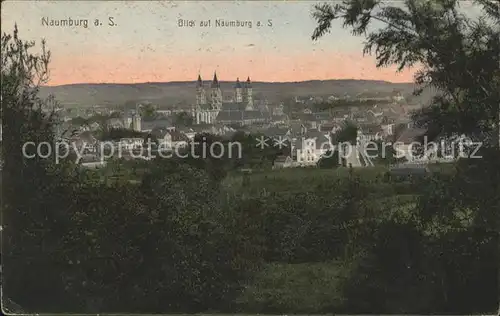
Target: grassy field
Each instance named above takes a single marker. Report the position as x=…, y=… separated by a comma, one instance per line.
x=294, y=179
x=301, y=288
x=291, y=179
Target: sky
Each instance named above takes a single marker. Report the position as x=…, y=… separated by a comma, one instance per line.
x=146, y=44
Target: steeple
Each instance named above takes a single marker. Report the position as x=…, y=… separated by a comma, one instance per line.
x=215, y=94
x=200, y=92
x=199, y=82
x=215, y=82
x=238, y=93
x=247, y=94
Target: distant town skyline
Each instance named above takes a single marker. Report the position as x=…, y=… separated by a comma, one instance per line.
x=141, y=41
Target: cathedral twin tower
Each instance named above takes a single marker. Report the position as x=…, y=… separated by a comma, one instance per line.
x=242, y=93
x=209, y=107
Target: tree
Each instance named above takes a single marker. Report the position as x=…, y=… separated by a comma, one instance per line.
x=347, y=134
x=457, y=56
x=450, y=232
x=330, y=160
x=183, y=118
x=37, y=194
x=72, y=242
x=148, y=112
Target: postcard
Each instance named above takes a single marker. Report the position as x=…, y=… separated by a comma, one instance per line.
x=265, y=157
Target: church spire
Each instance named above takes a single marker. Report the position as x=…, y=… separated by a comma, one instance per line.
x=200, y=82
x=215, y=82
x=249, y=83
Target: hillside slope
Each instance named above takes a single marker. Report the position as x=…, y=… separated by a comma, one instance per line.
x=182, y=93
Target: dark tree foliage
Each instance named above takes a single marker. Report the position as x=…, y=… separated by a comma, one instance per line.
x=347, y=134
x=183, y=119
x=75, y=243
x=331, y=159
x=456, y=55
x=452, y=231
x=33, y=220
x=148, y=112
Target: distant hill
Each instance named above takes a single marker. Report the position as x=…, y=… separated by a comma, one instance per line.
x=183, y=93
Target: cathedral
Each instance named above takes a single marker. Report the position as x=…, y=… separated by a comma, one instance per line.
x=210, y=107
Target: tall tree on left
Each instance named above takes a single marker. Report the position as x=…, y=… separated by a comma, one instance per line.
x=33, y=191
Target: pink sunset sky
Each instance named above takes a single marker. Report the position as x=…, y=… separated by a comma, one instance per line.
x=147, y=44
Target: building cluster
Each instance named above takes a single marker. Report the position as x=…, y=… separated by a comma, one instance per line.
x=239, y=109
x=309, y=132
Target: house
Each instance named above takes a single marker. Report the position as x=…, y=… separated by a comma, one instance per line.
x=90, y=158
x=279, y=118
x=297, y=128
x=93, y=164
x=127, y=120
x=388, y=129
x=242, y=117
x=316, y=134
x=323, y=117
x=188, y=131
x=282, y=162
x=332, y=98
x=215, y=129
x=370, y=132
x=311, y=147
x=261, y=105
x=203, y=128
x=375, y=114
x=359, y=118
x=115, y=123
x=278, y=110
x=164, y=112
x=170, y=138
x=398, y=97
x=340, y=115
x=277, y=132
x=131, y=143
x=315, y=124
x=308, y=119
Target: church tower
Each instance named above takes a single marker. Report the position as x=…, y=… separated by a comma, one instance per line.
x=216, y=94
x=201, y=98
x=238, y=93
x=248, y=97
x=136, y=122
